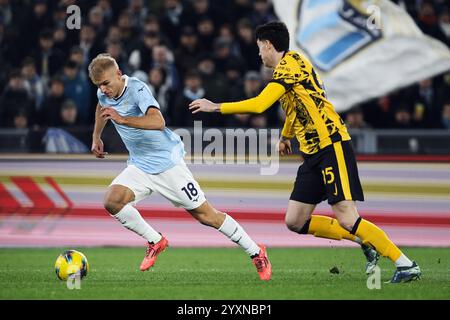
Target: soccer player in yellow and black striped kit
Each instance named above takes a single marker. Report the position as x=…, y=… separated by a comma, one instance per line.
x=329, y=170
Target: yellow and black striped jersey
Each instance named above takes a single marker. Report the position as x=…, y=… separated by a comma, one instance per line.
x=310, y=117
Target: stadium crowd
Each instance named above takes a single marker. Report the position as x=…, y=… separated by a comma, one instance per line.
x=184, y=50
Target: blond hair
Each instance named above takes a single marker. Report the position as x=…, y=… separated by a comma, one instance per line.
x=102, y=62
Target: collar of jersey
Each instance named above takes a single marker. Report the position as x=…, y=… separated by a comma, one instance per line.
x=124, y=87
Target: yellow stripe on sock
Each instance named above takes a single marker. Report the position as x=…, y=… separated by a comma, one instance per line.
x=343, y=174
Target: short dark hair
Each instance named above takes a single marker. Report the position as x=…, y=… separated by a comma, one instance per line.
x=70, y=64
x=15, y=74
x=46, y=34
x=276, y=32
x=57, y=79
x=192, y=73
x=28, y=61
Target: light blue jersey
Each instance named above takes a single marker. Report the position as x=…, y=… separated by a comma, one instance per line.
x=152, y=151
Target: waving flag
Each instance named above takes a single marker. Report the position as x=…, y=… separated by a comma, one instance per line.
x=362, y=49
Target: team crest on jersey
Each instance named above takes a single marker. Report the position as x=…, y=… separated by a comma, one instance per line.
x=331, y=31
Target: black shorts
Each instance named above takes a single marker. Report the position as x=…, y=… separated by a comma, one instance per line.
x=330, y=174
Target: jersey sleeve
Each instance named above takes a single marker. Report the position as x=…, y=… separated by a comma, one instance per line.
x=271, y=93
x=144, y=98
x=288, y=73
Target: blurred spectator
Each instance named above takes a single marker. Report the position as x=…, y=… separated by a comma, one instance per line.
x=173, y=19
x=61, y=42
x=151, y=24
x=142, y=57
x=108, y=13
x=233, y=74
x=379, y=112
x=116, y=51
x=248, y=48
x=214, y=82
x=114, y=34
x=226, y=32
x=14, y=100
x=138, y=12
x=96, y=20
x=77, y=88
x=193, y=89
x=443, y=91
x=262, y=13
x=240, y=9
x=403, y=118
x=9, y=51
x=428, y=21
x=129, y=35
x=187, y=52
x=163, y=58
x=36, y=20
x=444, y=23
x=76, y=54
x=50, y=111
x=88, y=42
x=354, y=119
x=160, y=88
x=59, y=16
x=47, y=58
x=446, y=115
x=203, y=8
x=68, y=116
x=20, y=119
x=252, y=87
x=223, y=55
x=6, y=12
x=426, y=105
x=71, y=37
x=33, y=83
x=206, y=33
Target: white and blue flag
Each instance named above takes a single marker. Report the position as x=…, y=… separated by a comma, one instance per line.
x=362, y=49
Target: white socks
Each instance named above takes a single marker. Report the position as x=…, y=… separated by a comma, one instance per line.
x=403, y=261
x=236, y=233
x=131, y=219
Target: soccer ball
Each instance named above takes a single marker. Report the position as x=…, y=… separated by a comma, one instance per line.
x=71, y=263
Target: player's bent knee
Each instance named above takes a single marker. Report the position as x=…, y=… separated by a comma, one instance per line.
x=116, y=198
x=294, y=225
x=114, y=203
x=113, y=207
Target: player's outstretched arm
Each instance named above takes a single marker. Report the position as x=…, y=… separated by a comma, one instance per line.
x=99, y=125
x=204, y=105
x=271, y=93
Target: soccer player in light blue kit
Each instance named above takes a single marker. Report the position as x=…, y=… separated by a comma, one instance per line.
x=155, y=164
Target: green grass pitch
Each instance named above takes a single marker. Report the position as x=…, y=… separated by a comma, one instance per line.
x=220, y=273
